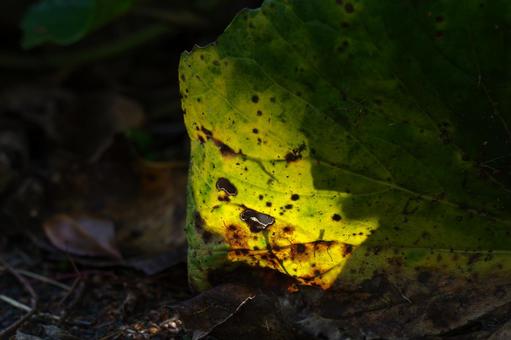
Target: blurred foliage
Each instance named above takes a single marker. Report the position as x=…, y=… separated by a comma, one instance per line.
x=66, y=22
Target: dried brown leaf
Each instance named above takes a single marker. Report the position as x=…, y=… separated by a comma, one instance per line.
x=82, y=235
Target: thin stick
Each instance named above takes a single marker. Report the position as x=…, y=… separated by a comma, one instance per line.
x=41, y=278
x=14, y=303
x=6, y=333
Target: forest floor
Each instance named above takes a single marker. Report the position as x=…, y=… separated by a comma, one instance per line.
x=93, y=157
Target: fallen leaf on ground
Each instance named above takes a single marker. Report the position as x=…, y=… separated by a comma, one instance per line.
x=82, y=235
x=201, y=314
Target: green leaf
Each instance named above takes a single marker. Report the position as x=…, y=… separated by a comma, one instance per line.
x=375, y=133
x=67, y=21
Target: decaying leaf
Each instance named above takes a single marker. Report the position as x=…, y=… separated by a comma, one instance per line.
x=336, y=140
x=212, y=308
x=82, y=235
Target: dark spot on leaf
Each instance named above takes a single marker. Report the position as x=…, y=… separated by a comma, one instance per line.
x=287, y=229
x=295, y=197
x=255, y=99
x=273, y=100
x=201, y=140
x=300, y=248
x=224, y=198
x=207, y=236
x=259, y=112
x=254, y=130
x=256, y=221
x=206, y=131
x=268, y=204
x=349, y=8
x=336, y=217
x=225, y=185
x=225, y=150
x=289, y=206
x=199, y=222
x=216, y=63
x=261, y=197
x=295, y=154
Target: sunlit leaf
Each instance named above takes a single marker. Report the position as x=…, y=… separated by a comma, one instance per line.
x=361, y=137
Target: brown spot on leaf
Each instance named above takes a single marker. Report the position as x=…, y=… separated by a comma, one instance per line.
x=336, y=217
x=300, y=248
x=206, y=131
x=257, y=221
x=287, y=229
x=295, y=154
x=348, y=250
x=226, y=185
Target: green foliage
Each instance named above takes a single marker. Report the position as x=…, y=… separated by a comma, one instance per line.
x=67, y=21
x=376, y=133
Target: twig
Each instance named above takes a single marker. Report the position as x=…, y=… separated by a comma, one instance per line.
x=41, y=278
x=77, y=287
x=71, y=290
x=33, y=302
x=15, y=303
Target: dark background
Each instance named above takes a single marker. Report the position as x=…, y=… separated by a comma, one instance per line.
x=91, y=134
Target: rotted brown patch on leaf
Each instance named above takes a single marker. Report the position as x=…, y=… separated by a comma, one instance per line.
x=295, y=154
x=236, y=237
x=225, y=149
x=200, y=225
x=311, y=263
x=199, y=222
